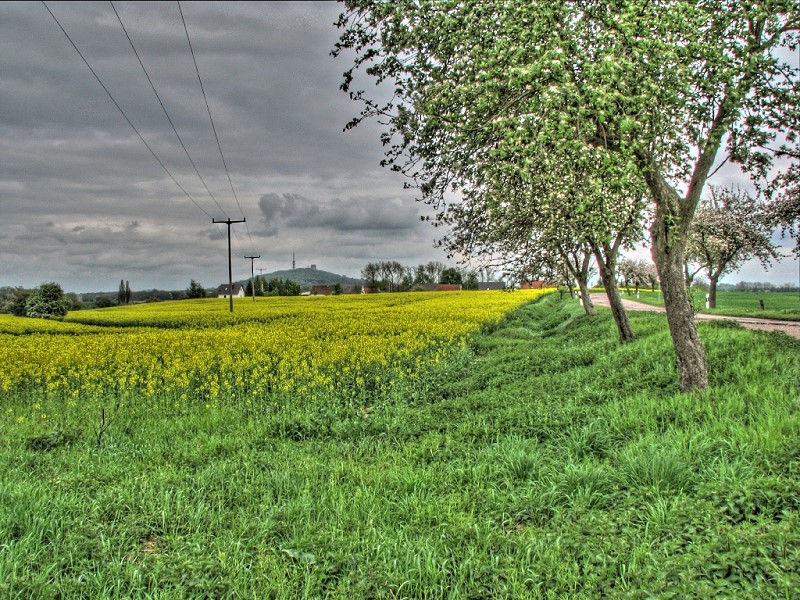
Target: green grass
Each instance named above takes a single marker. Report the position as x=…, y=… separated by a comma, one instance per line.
x=547, y=462
x=777, y=305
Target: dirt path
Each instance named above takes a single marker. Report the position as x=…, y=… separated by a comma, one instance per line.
x=791, y=328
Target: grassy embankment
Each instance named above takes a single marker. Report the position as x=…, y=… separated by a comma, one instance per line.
x=547, y=462
x=777, y=305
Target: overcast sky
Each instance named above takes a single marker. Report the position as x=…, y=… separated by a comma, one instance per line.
x=84, y=203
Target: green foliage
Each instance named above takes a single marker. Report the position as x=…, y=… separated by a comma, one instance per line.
x=450, y=275
x=103, y=302
x=785, y=212
x=281, y=287
x=391, y=276
x=293, y=288
x=195, y=290
x=471, y=281
x=12, y=300
x=47, y=301
x=72, y=301
x=566, y=122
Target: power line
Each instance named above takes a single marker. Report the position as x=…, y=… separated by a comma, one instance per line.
x=163, y=108
x=86, y=62
x=252, y=274
x=240, y=244
x=210, y=118
x=230, y=222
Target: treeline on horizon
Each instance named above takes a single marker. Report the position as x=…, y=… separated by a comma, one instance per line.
x=392, y=276
x=14, y=300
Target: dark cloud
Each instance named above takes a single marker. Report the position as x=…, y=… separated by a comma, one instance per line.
x=216, y=233
x=357, y=214
x=86, y=204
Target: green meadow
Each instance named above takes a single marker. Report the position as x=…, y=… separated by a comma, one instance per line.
x=777, y=305
x=545, y=460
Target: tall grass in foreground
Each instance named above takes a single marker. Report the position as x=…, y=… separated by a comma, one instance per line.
x=546, y=462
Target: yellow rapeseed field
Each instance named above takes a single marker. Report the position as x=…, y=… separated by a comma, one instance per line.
x=196, y=352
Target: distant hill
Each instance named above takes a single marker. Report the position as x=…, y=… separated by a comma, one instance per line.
x=309, y=277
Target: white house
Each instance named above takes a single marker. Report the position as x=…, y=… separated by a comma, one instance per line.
x=223, y=291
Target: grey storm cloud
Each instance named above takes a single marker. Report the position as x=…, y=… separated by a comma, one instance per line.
x=357, y=214
x=216, y=233
x=85, y=203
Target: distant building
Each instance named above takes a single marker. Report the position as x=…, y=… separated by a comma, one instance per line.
x=491, y=285
x=440, y=287
x=329, y=289
x=532, y=285
x=223, y=291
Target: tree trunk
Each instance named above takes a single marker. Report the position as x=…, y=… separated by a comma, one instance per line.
x=607, y=267
x=670, y=233
x=577, y=264
x=668, y=254
x=586, y=299
x=712, y=291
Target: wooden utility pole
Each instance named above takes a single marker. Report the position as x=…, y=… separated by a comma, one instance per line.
x=228, y=222
x=252, y=275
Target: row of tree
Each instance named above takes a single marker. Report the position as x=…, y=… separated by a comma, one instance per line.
x=636, y=274
x=124, y=293
x=273, y=287
x=263, y=287
x=46, y=301
x=764, y=286
x=729, y=228
x=571, y=128
x=392, y=276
